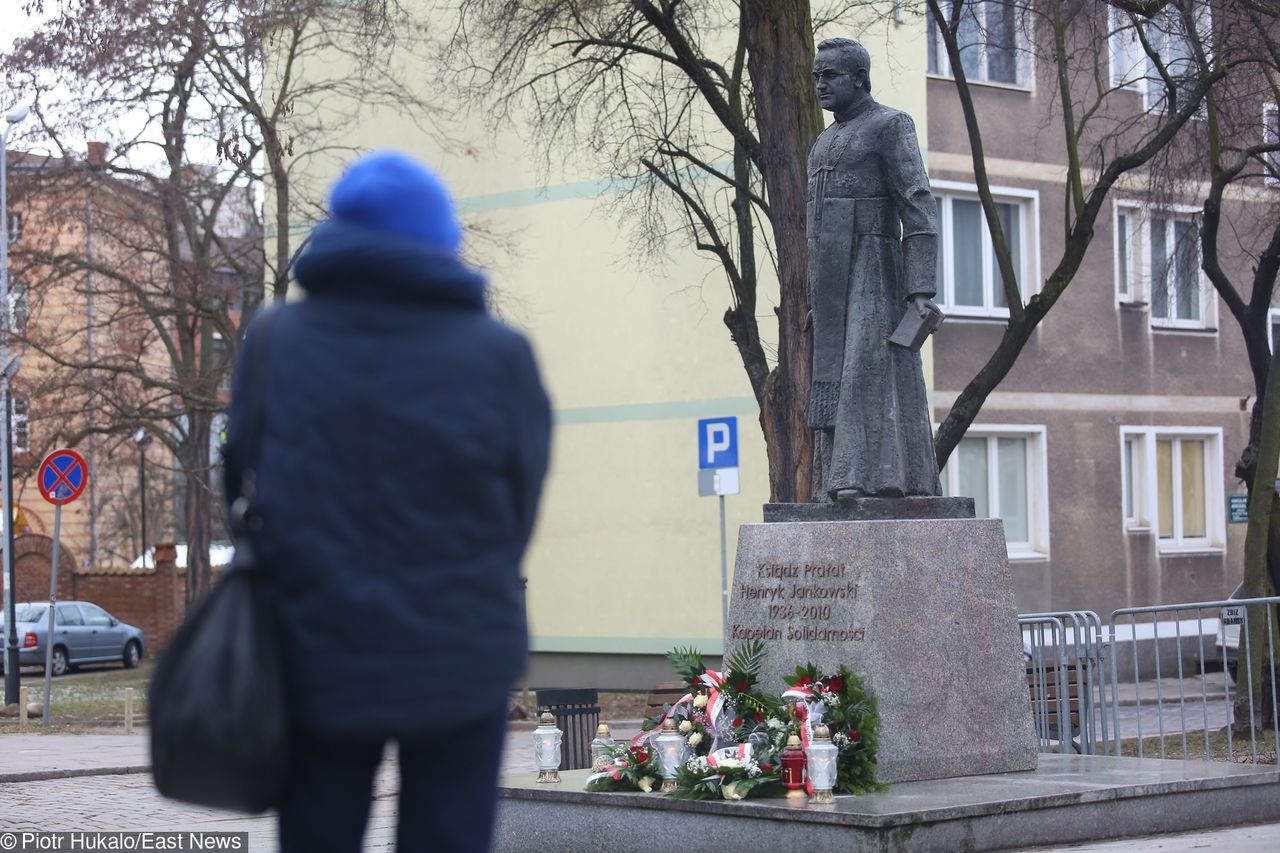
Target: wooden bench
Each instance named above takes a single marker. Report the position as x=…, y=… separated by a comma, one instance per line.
x=1046, y=710
x=663, y=693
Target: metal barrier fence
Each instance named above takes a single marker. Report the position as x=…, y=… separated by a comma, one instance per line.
x=1187, y=702
x=1064, y=653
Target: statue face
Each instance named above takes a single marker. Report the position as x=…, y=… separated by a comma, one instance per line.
x=839, y=83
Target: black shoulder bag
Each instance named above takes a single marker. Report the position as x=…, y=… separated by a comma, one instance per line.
x=218, y=709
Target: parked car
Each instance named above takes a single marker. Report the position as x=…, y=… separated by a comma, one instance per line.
x=82, y=633
x=1229, y=640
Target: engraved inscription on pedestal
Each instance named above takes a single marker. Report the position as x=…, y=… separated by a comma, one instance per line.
x=922, y=609
x=798, y=601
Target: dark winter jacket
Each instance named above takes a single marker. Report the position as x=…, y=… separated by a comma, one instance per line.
x=403, y=451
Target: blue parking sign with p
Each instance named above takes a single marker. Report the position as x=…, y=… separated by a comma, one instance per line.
x=718, y=443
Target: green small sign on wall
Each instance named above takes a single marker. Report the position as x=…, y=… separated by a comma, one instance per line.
x=1238, y=509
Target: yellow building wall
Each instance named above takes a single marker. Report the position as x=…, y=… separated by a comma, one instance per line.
x=626, y=557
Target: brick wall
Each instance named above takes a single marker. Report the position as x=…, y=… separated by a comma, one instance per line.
x=152, y=599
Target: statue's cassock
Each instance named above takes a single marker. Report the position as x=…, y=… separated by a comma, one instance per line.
x=872, y=223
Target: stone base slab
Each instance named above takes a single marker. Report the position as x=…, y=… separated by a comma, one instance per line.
x=1067, y=799
x=871, y=509
x=922, y=610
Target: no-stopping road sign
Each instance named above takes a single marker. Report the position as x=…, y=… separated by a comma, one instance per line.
x=62, y=476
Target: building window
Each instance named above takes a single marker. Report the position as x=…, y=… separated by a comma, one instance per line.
x=1131, y=467
x=1129, y=288
x=1158, y=263
x=1173, y=484
x=20, y=425
x=1004, y=470
x=969, y=281
x=1170, y=39
x=15, y=227
x=992, y=37
x=1271, y=136
x=19, y=306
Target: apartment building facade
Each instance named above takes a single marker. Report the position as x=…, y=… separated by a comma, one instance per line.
x=1109, y=449
x=625, y=561
x=93, y=311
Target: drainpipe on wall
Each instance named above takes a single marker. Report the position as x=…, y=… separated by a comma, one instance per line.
x=97, y=159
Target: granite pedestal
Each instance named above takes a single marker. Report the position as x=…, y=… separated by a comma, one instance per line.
x=1066, y=799
x=922, y=609
x=872, y=509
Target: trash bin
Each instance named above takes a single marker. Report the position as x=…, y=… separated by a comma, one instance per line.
x=577, y=714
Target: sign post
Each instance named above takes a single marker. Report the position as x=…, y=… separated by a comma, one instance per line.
x=718, y=475
x=61, y=478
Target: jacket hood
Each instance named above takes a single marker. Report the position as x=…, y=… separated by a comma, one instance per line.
x=345, y=260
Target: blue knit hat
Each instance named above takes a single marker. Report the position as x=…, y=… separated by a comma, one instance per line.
x=394, y=193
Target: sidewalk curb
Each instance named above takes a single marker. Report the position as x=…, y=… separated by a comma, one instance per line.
x=46, y=775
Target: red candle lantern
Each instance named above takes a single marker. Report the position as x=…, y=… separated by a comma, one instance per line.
x=793, y=765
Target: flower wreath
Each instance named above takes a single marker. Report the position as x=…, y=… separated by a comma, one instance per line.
x=735, y=734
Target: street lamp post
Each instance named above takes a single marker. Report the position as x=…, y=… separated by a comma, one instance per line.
x=142, y=439
x=11, y=118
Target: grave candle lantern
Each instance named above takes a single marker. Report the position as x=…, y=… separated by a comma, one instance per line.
x=821, y=756
x=600, y=747
x=546, y=748
x=671, y=751
x=793, y=765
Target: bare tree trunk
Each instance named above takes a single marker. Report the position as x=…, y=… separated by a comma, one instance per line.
x=1262, y=505
x=197, y=503
x=280, y=188
x=779, y=38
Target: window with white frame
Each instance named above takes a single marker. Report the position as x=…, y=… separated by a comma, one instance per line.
x=1173, y=485
x=1157, y=262
x=1169, y=37
x=1130, y=289
x=969, y=282
x=992, y=37
x=1271, y=136
x=20, y=425
x=1003, y=468
x=15, y=227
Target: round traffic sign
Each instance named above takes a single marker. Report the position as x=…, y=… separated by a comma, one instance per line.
x=62, y=476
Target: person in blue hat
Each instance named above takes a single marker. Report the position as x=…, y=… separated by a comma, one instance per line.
x=399, y=466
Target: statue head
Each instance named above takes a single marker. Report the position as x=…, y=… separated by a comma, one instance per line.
x=842, y=74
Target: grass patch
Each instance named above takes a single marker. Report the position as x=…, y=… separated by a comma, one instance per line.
x=87, y=700
x=1240, y=750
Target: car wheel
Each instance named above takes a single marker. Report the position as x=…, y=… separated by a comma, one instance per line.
x=59, y=661
x=132, y=654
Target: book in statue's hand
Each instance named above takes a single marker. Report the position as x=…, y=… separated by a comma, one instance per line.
x=913, y=329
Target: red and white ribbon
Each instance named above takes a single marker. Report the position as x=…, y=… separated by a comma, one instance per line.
x=657, y=729
x=715, y=700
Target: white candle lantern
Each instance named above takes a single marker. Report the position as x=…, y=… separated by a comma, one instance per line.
x=821, y=762
x=546, y=748
x=671, y=753
x=601, y=748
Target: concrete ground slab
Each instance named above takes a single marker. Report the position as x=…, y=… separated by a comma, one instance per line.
x=1066, y=799
x=30, y=757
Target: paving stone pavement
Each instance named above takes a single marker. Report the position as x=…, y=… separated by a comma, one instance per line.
x=128, y=802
